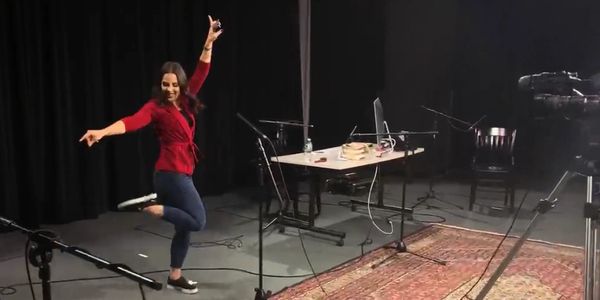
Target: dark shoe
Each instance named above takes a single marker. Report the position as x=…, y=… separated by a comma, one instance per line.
x=183, y=285
x=137, y=204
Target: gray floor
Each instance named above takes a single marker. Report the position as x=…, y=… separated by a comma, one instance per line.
x=114, y=237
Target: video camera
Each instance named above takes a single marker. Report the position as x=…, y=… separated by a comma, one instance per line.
x=558, y=94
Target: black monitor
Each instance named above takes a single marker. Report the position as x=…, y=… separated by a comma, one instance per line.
x=379, y=119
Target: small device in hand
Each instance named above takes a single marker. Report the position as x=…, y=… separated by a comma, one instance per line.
x=217, y=26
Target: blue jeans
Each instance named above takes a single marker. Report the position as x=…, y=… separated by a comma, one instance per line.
x=182, y=207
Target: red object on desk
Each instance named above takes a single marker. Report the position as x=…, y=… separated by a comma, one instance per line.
x=322, y=159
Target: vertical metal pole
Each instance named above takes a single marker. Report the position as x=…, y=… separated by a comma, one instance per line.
x=590, y=247
x=379, y=187
x=260, y=225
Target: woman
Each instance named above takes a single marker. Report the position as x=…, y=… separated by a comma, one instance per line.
x=171, y=112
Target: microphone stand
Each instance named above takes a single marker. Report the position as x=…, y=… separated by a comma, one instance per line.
x=281, y=142
x=260, y=293
x=400, y=244
x=380, y=203
x=471, y=125
x=431, y=194
x=281, y=219
x=40, y=256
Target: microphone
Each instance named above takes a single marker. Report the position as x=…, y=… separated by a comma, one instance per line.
x=353, y=130
x=474, y=124
x=6, y=222
x=262, y=135
x=349, y=139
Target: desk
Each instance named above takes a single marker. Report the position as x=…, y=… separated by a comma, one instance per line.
x=336, y=163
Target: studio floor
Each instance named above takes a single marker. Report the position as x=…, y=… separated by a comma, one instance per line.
x=230, y=240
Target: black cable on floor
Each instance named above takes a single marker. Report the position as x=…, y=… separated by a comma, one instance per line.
x=221, y=210
x=310, y=264
x=142, y=291
x=366, y=241
x=440, y=221
x=7, y=291
x=10, y=258
x=466, y=295
x=230, y=243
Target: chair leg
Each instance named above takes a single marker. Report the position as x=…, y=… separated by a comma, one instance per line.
x=512, y=196
x=316, y=181
x=506, y=192
x=295, y=195
x=472, y=195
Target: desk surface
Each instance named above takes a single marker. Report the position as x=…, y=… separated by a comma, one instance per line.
x=334, y=162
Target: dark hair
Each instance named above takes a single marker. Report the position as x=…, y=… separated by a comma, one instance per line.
x=174, y=67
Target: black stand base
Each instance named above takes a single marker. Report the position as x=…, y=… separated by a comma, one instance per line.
x=400, y=247
x=40, y=256
x=404, y=210
x=283, y=222
x=261, y=294
x=431, y=195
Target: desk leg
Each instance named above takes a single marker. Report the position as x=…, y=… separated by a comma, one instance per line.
x=315, y=196
x=380, y=204
x=379, y=183
x=312, y=198
x=314, y=203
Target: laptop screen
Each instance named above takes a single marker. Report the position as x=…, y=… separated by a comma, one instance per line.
x=379, y=119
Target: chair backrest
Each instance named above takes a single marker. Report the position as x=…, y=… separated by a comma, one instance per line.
x=494, y=146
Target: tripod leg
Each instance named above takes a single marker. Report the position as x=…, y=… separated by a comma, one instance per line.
x=472, y=194
x=590, y=246
x=401, y=248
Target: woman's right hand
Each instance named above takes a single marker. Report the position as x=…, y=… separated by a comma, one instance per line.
x=92, y=136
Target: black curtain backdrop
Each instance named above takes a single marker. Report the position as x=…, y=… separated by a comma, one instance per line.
x=68, y=66
x=464, y=57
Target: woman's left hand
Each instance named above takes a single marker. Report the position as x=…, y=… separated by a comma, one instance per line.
x=214, y=30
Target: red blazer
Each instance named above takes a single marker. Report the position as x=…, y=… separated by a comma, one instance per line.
x=178, y=152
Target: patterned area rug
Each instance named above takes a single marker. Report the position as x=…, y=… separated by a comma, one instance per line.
x=541, y=270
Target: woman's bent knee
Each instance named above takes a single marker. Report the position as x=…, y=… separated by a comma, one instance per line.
x=198, y=225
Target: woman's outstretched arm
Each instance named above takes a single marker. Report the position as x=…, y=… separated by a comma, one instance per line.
x=214, y=32
x=93, y=136
x=134, y=122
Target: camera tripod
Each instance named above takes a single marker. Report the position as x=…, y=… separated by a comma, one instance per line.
x=589, y=169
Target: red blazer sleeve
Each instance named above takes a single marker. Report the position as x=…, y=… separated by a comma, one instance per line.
x=197, y=79
x=141, y=118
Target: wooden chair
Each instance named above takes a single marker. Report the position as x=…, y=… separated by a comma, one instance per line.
x=493, y=162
